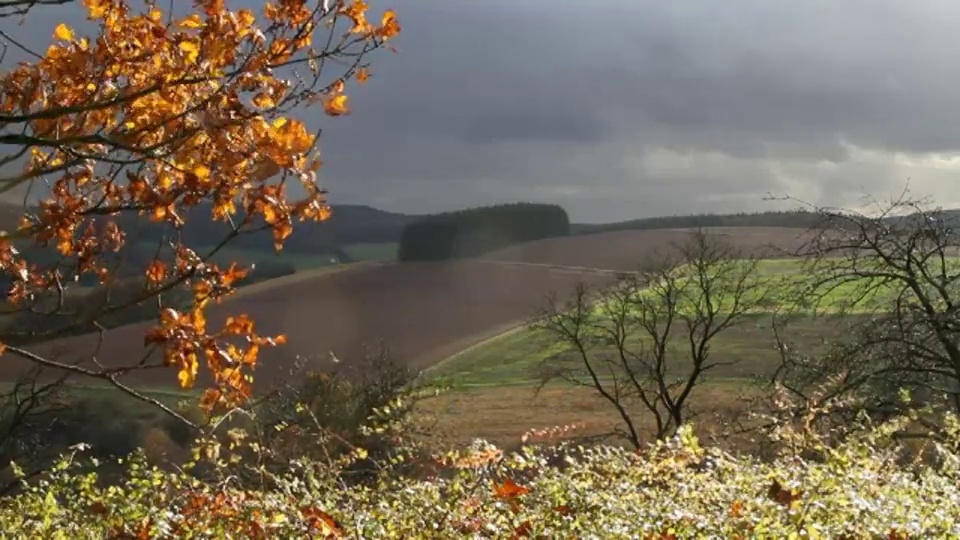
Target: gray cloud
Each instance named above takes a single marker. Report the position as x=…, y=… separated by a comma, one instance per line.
x=625, y=108
x=632, y=108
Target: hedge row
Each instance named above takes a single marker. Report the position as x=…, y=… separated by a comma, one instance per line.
x=674, y=490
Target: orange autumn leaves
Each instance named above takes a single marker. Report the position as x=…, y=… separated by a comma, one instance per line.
x=509, y=490
x=335, y=104
x=511, y=494
x=357, y=12
x=155, y=115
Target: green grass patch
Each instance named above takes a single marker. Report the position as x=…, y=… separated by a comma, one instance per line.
x=507, y=360
x=385, y=251
x=300, y=261
x=791, y=285
x=305, y=261
x=778, y=284
x=518, y=357
x=167, y=395
x=784, y=285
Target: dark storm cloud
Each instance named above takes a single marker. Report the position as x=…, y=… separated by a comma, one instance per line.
x=624, y=108
x=617, y=109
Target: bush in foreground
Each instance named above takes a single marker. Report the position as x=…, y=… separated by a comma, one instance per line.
x=859, y=488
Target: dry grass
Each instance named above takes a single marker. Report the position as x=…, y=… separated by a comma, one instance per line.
x=502, y=415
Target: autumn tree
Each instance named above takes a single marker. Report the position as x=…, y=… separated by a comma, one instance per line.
x=646, y=343
x=160, y=116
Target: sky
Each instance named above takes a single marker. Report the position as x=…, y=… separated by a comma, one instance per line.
x=621, y=109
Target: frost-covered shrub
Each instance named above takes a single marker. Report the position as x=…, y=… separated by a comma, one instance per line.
x=676, y=489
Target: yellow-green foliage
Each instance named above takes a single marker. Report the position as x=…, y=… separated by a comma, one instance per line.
x=789, y=285
x=674, y=490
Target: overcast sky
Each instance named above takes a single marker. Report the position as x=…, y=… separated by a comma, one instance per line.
x=633, y=108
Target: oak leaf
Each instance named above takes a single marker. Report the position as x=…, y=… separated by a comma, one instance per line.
x=96, y=9
x=157, y=272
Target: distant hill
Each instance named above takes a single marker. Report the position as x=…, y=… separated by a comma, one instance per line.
x=790, y=219
x=949, y=217
x=349, y=224
x=331, y=241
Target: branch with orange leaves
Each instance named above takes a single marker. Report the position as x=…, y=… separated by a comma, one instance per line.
x=154, y=116
x=100, y=85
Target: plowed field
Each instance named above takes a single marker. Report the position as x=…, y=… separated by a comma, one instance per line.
x=421, y=312
x=625, y=250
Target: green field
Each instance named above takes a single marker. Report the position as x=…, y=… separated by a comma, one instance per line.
x=517, y=358
x=300, y=261
x=786, y=284
x=386, y=251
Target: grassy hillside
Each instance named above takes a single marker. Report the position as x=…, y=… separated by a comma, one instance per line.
x=500, y=376
x=514, y=357
x=677, y=489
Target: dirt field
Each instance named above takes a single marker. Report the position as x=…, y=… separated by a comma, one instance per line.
x=423, y=312
x=625, y=250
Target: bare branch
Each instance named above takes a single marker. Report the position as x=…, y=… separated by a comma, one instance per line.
x=652, y=331
x=897, y=270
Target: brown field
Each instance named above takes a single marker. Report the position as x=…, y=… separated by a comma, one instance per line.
x=624, y=250
x=423, y=312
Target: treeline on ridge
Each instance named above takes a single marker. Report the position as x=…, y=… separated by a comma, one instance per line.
x=793, y=218
x=475, y=231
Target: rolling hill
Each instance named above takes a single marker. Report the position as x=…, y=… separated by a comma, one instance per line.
x=423, y=312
